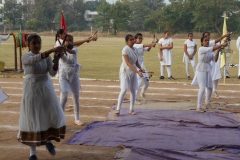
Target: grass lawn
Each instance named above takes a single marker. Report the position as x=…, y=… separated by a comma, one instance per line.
x=102, y=59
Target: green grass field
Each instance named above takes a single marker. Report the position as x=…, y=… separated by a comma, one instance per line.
x=102, y=59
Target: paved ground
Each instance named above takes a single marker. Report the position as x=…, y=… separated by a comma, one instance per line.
x=96, y=100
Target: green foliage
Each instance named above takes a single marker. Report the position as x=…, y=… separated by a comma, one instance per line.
x=126, y=15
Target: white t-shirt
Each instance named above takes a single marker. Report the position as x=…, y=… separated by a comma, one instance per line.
x=140, y=51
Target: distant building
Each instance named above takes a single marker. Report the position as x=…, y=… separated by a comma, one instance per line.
x=89, y=15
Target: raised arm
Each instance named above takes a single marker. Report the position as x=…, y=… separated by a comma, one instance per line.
x=220, y=38
x=4, y=38
x=79, y=43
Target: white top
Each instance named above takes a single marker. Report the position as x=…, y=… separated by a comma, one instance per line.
x=133, y=56
x=238, y=43
x=167, y=53
x=33, y=63
x=205, y=56
x=4, y=38
x=57, y=43
x=190, y=46
x=140, y=51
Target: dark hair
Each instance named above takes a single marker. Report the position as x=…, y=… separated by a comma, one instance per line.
x=127, y=37
x=70, y=37
x=205, y=33
x=59, y=32
x=189, y=34
x=203, y=38
x=137, y=35
x=32, y=36
x=166, y=32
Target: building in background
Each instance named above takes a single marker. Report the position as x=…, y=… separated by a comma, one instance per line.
x=89, y=15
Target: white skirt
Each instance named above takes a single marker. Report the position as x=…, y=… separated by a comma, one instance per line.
x=41, y=115
x=128, y=81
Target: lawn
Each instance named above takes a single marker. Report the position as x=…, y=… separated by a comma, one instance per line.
x=102, y=59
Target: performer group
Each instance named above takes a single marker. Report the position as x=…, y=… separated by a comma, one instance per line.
x=42, y=116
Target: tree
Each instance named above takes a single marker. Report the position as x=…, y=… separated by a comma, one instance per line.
x=120, y=14
x=208, y=14
x=13, y=11
x=104, y=16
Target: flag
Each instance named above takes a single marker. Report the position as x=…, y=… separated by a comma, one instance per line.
x=63, y=23
x=223, y=55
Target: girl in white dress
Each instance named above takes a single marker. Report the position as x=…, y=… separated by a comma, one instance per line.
x=41, y=116
x=190, y=49
x=203, y=77
x=165, y=55
x=216, y=72
x=141, y=48
x=68, y=77
x=127, y=74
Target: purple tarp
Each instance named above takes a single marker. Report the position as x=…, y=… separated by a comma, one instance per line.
x=168, y=130
x=156, y=154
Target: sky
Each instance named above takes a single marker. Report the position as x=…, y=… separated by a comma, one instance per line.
x=112, y=1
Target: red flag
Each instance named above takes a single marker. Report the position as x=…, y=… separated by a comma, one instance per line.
x=63, y=23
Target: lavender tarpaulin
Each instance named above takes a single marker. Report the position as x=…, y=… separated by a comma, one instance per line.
x=167, y=130
x=155, y=154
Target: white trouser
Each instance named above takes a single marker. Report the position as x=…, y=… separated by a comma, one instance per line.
x=144, y=80
x=187, y=67
x=121, y=97
x=226, y=66
x=202, y=81
x=76, y=104
x=215, y=84
x=169, y=70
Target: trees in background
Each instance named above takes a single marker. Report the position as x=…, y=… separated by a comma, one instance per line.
x=126, y=15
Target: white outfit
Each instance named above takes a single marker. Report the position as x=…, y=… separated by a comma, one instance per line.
x=167, y=56
x=41, y=116
x=216, y=72
x=145, y=79
x=203, y=76
x=190, y=49
x=238, y=47
x=4, y=38
x=128, y=78
x=69, y=80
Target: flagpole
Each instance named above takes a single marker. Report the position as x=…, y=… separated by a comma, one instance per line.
x=223, y=54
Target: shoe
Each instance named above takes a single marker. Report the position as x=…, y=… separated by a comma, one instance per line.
x=215, y=94
x=162, y=77
x=188, y=77
x=142, y=95
x=117, y=112
x=50, y=147
x=238, y=77
x=171, y=78
x=208, y=106
x=200, y=110
x=79, y=123
x=33, y=157
x=138, y=102
x=132, y=112
x=227, y=77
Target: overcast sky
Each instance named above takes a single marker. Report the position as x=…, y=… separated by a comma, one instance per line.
x=112, y=1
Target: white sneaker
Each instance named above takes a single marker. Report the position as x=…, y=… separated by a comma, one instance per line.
x=215, y=94
x=138, y=102
x=142, y=95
